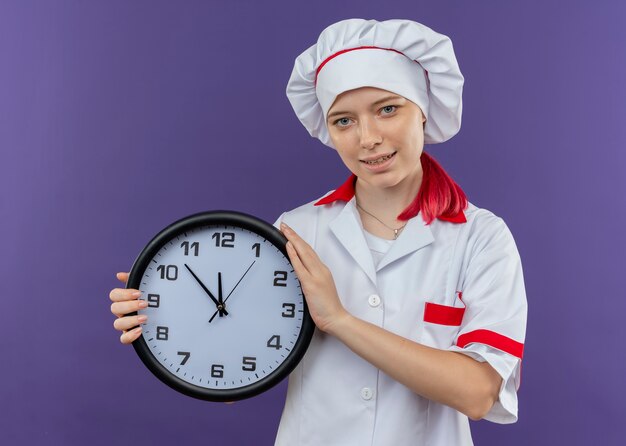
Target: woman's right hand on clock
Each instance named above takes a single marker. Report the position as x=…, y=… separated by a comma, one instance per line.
x=126, y=301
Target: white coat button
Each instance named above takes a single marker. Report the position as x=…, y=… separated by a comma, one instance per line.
x=374, y=300
x=366, y=393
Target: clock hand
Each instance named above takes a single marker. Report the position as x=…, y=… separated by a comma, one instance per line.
x=219, y=292
x=231, y=292
x=244, y=275
x=213, y=317
x=215, y=301
x=219, y=298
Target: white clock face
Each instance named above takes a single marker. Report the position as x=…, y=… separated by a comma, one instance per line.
x=260, y=296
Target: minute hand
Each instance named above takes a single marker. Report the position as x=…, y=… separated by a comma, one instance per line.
x=231, y=291
x=215, y=301
x=244, y=275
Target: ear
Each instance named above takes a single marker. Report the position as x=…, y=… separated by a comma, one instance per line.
x=423, y=116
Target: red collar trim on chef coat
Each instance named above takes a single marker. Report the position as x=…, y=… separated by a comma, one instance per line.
x=345, y=192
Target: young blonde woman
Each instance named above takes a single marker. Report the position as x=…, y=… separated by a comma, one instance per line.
x=418, y=295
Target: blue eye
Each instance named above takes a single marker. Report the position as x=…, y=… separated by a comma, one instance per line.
x=389, y=109
x=342, y=122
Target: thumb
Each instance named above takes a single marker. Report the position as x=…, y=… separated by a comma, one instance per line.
x=122, y=277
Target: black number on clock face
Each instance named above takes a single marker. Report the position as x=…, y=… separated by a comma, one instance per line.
x=195, y=246
x=217, y=371
x=280, y=278
x=162, y=333
x=154, y=300
x=274, y=342
x=186, y=356
x=224, y=239
x=169, y=272
x=257, y=247
x=249, y=364
x=290, y=310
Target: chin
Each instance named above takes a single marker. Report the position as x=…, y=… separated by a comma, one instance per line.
x=383, y=180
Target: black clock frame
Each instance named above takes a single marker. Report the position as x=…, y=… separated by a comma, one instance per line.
x=228, y=218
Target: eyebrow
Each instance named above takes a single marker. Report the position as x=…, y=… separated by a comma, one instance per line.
x=385, y=99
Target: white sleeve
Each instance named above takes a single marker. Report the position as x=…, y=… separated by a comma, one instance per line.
x=493, y=328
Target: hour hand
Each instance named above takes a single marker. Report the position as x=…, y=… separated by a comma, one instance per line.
x=220, y=307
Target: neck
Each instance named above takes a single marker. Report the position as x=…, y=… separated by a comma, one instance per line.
x=387, y=203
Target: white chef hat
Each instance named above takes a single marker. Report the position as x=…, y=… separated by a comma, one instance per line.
x=400, y=56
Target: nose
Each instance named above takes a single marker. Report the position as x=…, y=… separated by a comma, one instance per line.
x=369, y=134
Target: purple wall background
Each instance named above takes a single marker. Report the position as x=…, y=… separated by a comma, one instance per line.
x=117, y=118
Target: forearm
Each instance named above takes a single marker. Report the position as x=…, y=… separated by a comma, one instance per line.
x=449, y=378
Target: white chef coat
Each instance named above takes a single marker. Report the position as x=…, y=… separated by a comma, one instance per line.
x=452, y=286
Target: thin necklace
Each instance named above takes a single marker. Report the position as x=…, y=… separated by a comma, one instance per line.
x=395, y=231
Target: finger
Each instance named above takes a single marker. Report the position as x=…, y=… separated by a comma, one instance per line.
x=122, y=277
x=294, y=238
x=128, y=322
x=123, y=294
x=122, y=308
x=129, y=336
x=289, y=233
x=299, y=268
x=306, y=254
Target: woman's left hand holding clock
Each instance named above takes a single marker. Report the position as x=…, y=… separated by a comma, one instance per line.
x=317, y=282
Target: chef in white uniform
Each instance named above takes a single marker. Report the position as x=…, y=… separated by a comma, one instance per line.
x=417, y=294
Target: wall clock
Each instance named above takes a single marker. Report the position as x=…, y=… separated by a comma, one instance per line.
x=227, y=318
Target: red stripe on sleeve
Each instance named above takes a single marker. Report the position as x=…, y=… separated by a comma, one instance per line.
x=494, y=340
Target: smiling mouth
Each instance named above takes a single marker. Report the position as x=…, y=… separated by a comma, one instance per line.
x=380, y=160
